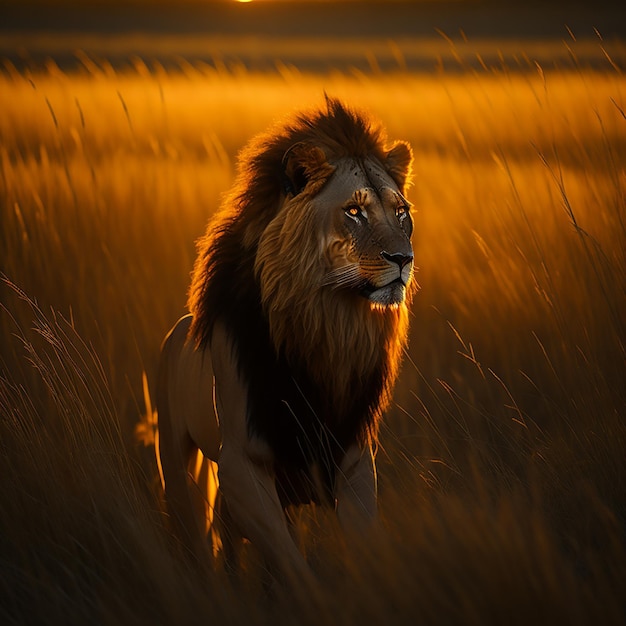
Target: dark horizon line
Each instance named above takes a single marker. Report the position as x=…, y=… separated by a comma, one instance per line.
x=475, y=18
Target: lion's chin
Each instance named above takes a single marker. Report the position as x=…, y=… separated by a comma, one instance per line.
x=390, y=295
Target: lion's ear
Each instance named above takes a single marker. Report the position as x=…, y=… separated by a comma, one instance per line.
x=398, y=162
x=300, y=163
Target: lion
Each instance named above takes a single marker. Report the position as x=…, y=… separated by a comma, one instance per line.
x=298, y=317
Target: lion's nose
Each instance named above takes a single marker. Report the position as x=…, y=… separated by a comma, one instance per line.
x=400, y=259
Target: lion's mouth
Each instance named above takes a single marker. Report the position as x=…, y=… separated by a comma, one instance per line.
x=392, y=293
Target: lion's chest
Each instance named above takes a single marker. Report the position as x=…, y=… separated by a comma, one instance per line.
x=308, y=435
x=288, y=408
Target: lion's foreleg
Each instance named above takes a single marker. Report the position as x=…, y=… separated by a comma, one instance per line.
x=246, y=475
x=356, y=489
x=250, y=494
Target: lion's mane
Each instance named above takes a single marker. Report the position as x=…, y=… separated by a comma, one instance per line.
x=320, y=359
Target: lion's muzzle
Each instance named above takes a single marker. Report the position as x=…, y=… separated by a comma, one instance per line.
x=388, y=286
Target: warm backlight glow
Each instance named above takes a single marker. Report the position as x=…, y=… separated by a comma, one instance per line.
x=511, y=388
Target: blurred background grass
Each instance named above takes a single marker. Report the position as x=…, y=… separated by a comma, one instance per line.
x=502, y=460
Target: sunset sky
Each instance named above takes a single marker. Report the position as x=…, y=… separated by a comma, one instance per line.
x=259, y=32
x=294, y=17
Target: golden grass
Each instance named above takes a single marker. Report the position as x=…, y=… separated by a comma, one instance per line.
x=502, y=464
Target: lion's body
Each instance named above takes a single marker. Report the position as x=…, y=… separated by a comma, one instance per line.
x=299, y=315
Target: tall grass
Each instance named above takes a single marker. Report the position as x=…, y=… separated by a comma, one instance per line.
x=501, y=463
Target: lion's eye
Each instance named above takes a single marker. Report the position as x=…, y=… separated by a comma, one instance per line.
x=353, y=211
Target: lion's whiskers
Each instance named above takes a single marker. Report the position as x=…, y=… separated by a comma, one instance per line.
x=360, y=273
x=346, y=276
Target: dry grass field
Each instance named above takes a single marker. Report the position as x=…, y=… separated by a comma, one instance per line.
x=502, y=465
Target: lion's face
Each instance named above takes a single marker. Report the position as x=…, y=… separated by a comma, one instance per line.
x=368, y=243
x=344, y=228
